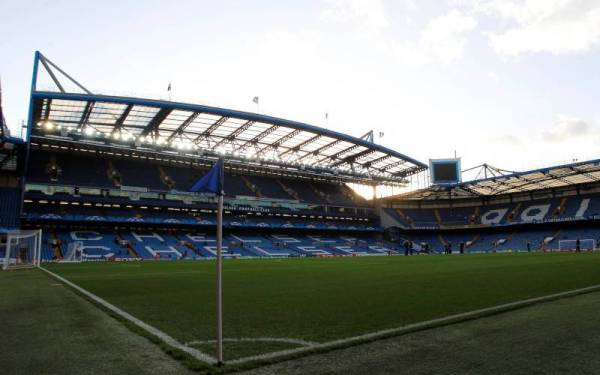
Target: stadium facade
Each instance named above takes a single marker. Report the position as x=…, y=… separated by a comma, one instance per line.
x=113, y=173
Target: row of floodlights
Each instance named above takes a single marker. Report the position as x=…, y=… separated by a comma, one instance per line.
x=120, y=135
x=179, y=144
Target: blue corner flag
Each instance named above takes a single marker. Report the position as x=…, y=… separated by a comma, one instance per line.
x=213, y=181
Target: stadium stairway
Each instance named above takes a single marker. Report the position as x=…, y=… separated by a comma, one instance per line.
x=291, y=192
x=130, y=249
x=442, y=240
x=513, y=213
x=168, y=182
x=113, y=174
x=552, y=243
x=558, y=211
x=255, y=189
x=54, y=170
x=438, y=218
x=320, y=193
x=404, y=218
x=476, y=217
x=470, y=244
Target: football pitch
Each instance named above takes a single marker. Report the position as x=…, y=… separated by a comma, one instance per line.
x=279, y=304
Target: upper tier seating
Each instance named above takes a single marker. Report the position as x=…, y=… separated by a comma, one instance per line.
x=269, y=187
x=88, y=170
x=557, y=209
x=131, y=174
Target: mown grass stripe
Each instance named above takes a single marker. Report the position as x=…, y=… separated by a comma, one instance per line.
x=146, y=327
x=433, y=323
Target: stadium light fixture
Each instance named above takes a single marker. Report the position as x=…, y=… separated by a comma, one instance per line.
x=89, y=131
x=48, y=125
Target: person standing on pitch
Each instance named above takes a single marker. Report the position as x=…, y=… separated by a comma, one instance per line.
x=406, y=247
x=578, y=245
x=528, y=246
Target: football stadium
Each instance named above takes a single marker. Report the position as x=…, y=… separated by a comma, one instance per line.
x=144, y=235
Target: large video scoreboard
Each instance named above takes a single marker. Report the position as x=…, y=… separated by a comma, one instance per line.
x=445, y=171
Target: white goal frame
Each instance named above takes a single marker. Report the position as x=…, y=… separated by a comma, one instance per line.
x=13, y=258
x=588, y=244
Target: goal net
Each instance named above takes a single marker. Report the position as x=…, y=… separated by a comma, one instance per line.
x=584, y=244
x=21, y=249
x=74, y=253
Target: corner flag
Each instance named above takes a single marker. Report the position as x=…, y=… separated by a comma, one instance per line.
x=212, y=182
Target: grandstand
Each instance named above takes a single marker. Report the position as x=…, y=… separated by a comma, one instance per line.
x=532, y=210
x=114, y=166
x=120, y=169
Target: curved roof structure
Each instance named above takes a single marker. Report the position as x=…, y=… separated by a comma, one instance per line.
x=556, y=177
x=204, y=131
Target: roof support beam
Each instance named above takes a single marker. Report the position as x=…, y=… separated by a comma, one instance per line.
x=379, y=160
x=153, y=125
x=234, y=134
x=352, y=158
x=301, y=144
x=562, y=178
x=123, y=117
x=281, y=140
x=45, y=62
x=183, y=125
x=339, y=153
x=260, y=136
x=51, y=73
x=318, y=151
x=393, y=165
x=85, y=116
x=518, y=186
x=586, y=174
x=215, y=125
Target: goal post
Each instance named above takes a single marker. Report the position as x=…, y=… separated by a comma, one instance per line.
x=21, y=249
x=588, y=244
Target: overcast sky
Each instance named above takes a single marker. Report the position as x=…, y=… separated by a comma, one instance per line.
x=512, y=83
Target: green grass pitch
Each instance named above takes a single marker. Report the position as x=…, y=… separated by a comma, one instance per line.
x=319, y=300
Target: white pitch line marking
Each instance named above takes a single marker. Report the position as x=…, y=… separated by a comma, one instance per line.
x=419, y=326
x=254, y=339
x=146, y=327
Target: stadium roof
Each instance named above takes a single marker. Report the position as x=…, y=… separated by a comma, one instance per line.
x=204, y=132
x=560, y=176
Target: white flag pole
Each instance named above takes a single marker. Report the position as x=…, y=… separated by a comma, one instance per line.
x=219, y=281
